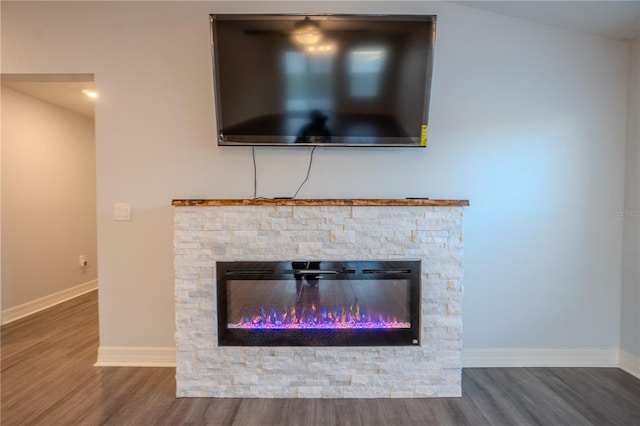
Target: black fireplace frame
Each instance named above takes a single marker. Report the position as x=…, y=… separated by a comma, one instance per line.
x=320, y=270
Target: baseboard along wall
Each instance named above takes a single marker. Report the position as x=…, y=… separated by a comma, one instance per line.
x=630, y=363
x=529, y=357
x=127, y=356
x=113, y=356
x=30, y=308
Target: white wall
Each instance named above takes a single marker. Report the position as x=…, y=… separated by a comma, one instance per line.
x=630, y=337
x=48, y=200
x=533, y=120
x=527, y=121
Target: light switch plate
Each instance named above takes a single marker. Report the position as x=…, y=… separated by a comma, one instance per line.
x=122, y=211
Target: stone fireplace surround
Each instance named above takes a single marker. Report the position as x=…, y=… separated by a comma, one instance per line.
x=207, y=231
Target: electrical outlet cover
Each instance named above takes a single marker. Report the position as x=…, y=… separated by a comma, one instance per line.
x=122, y=211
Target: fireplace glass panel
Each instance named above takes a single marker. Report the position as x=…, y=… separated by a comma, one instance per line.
x=318, y=303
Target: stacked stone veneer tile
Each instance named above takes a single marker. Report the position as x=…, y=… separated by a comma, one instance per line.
x=204, y=235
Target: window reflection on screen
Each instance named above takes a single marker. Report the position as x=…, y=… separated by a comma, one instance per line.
x=308, y=86
x=365, y=72
x=308, y=82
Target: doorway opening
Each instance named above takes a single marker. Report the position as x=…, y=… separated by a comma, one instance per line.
x=48, y=223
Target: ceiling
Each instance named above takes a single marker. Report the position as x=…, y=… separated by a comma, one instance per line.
x=608, y=18
x=65, y=94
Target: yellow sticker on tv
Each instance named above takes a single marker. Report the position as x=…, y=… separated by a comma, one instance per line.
x=423, y=135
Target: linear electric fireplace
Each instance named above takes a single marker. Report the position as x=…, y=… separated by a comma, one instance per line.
x=318, y=303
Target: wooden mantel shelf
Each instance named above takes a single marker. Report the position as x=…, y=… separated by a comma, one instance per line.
x=322, y=202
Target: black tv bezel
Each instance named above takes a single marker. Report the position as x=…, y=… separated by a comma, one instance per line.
x=271, y=141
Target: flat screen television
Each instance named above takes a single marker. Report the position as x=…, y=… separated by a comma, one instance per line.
x=322, y=80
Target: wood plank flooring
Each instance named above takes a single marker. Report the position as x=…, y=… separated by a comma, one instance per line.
x=48, y=378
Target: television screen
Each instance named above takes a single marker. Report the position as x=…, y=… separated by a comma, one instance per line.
x=322, y=80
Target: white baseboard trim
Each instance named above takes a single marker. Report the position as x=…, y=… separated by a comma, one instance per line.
x=526, y=357
x=30, y=308
x=630, y=363
x=127, y=356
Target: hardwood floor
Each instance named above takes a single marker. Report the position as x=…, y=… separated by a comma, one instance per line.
x=48, y=378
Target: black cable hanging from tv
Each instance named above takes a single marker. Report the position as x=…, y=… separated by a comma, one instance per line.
x=255, y=174
x=308, y=172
